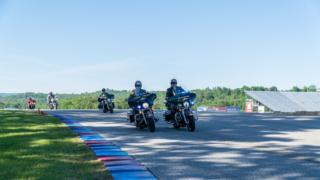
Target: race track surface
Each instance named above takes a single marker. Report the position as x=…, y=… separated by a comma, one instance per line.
x=224, y=146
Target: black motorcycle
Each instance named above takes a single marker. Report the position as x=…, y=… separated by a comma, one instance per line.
x=142, y=114
x=53, y=104
x=181, y=114
x=106, y=103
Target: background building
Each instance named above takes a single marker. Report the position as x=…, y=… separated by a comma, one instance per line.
x=283, y=102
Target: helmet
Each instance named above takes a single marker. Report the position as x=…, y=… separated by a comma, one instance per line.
x=174, y=81
x=138, y=84
x=103, y=90
x=50, y=93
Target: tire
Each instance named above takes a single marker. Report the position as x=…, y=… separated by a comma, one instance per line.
x=192, y=125
x=151, y=125
x=176, y=126
x=111, y=110
x=104, y=110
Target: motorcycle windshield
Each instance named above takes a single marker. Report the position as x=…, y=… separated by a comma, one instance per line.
x=110, y=96
x=182, y=96
x=145, y=98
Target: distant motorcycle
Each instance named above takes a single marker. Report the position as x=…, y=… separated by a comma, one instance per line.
x=53, y=104
x=106, y=103
x=31, y=104
x=142, y=114
x=181, y=114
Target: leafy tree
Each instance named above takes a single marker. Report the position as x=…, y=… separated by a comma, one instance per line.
x=295, y=89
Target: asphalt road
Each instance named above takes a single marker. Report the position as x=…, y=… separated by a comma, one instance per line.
x=224, y=146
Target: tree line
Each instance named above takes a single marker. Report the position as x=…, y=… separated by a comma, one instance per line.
x=217, y=96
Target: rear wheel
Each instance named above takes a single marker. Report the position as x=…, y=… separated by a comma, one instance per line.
x=176, y=126
x=191, y=125
x=151, y=125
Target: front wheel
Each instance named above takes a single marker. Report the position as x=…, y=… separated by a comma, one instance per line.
x=191, y=125
x=111, y=110
x=151, y=125
x=176, y=126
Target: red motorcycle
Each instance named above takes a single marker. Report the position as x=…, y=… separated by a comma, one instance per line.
x=31, y=103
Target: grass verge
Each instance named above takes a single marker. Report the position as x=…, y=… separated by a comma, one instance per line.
x=41, y=147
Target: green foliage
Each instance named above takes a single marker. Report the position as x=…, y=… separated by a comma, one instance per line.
x=311, y=88
x=217, y=96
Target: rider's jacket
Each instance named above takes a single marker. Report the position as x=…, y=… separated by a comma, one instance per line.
x=173, y=91
x=103, y=94
x=49, y=97
x=135, y=93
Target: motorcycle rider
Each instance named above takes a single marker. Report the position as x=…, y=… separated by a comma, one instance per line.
x=171, y=92
x=103, y=94
x=30, y=102
x=50, y=97
x=138, y=91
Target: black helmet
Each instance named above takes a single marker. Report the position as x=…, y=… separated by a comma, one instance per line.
x=103, y=90
x=174, y=81
x=138, y=84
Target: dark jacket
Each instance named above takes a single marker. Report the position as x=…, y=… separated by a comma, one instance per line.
x=103, y=94
x=172, y=92
x=133, y=96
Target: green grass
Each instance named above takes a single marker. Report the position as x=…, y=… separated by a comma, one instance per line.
x=41, y=147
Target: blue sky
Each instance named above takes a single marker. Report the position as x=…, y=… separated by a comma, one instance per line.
x=78, y=46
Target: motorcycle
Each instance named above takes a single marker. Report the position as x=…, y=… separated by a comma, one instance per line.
x=32, y=104
x=142, y=114
x=53, y=104
x=106, y=103
x=181, y=114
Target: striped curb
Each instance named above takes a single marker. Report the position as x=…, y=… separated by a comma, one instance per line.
x=119, y=163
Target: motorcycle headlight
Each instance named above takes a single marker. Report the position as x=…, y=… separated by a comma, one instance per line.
x=145, y=105
x=186, y=104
